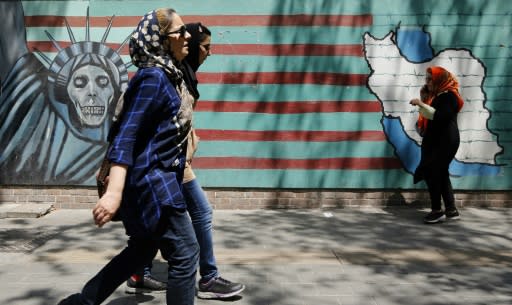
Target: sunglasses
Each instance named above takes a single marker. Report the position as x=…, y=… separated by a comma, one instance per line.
x=182, y=30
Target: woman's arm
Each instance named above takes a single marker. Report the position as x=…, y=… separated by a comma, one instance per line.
x=109, y=203
x=143, y=102
x=425, y=110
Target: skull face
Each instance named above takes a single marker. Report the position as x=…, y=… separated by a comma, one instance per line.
x=91, y=91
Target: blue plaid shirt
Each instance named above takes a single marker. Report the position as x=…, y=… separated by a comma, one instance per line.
x=152, y=144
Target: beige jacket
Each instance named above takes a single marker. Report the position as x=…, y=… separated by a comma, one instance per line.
x=193, y=141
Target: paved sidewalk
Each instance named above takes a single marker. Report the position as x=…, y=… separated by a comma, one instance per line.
x=359, y=256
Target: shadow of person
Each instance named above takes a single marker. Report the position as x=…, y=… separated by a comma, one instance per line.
x=132, y=299
x=230, y=299
x=398, y=206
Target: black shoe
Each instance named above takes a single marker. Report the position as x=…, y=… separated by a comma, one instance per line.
x=434, y=217
x=219, y=288
x=452, y=214
x=70, y=300
x=148, y=284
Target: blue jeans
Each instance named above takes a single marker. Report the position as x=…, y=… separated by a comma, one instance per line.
x=201, y=212
x=177, y=245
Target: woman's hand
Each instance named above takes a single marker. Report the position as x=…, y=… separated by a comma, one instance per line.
x=415, y=102
x=109, y=203
x=106, y=208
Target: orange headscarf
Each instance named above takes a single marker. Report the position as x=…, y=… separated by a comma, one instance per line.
x=442, y=81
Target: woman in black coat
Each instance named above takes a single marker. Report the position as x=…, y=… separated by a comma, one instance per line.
x=439, y=105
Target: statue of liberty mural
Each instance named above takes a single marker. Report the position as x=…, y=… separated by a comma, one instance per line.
x=54, y=118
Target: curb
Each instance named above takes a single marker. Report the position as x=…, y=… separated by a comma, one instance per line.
x=25, y=210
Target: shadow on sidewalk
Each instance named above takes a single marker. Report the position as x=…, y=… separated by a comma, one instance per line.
x=328, y=246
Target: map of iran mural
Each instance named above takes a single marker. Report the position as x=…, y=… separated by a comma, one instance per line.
x=398, y=63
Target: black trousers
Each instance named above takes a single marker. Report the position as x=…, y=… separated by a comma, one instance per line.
x=440, y=186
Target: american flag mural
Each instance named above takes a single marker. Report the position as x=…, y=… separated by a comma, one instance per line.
x=304, y=94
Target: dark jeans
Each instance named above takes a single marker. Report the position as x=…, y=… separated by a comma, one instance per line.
x=177, y=245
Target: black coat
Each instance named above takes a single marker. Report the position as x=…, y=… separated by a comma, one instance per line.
x=441, y=138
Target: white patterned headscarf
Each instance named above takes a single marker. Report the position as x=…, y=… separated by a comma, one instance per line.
x=147, y=47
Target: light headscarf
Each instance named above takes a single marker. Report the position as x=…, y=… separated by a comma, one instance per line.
x=147, y=47
x=442, y=81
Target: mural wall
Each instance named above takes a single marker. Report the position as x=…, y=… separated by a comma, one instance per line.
x=297, y=94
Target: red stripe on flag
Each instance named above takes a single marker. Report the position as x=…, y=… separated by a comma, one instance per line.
x=282, y=20
x=211, y=20
x=265, y=78
x=289, y=49
x=47, y=46
x=290, y=136
x=289, y=107
x=306, y=164
x=324, y=78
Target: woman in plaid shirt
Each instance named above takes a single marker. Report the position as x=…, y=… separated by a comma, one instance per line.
x=148, y=155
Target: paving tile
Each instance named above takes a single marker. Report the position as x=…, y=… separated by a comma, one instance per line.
x=356, y=257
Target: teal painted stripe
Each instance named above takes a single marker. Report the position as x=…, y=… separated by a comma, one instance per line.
x=430, y=19
x=492, y=55
x=241, y=63
x=72, y=8
x=338, y=179
x=308, y=121
x=305, y=6
x=227, y=7
x=501, y=119
x=238, y=35
x=233, y=63
x=96, y=8
x=497, y=73
x=504, y=139
x=116, y=35
x=443, y=37
x=230, y=35
x=506, y=160
x=342, y=179
x=497, y=94
x=126, y=59
x=295, y=150
x=501, y=182
x=504, y=81
x=392, y=7
x=284, y=93
x=237, y=63
x=200, y=7
x=499, y=127
x=129, y=8
x=287, y=35
x=331, y=64
x=468, y=36
x=504, y=134
x=501, y=106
